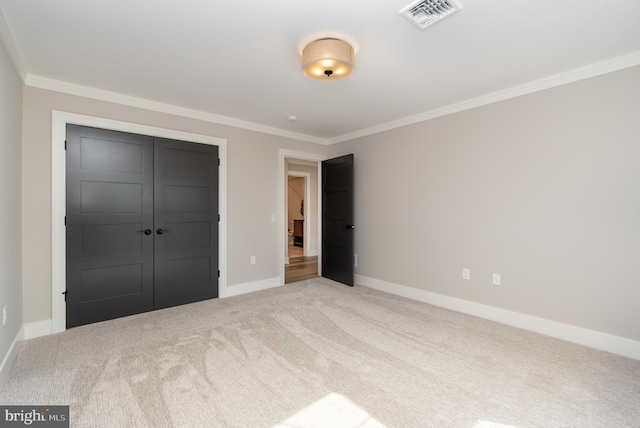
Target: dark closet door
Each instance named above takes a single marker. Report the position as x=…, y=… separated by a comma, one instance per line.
x=109, y=186
x=186, y=222
x=337, y=219
x=142, y=224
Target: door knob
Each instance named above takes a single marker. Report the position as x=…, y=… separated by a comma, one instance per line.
x=351, y=226
x=148, y=231
x=160, y=231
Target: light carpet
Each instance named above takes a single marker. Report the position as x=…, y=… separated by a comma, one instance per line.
x=320, y=354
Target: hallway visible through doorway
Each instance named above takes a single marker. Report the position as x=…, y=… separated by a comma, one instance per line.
x=295, y=251
x=301, y=219
x=301, y=268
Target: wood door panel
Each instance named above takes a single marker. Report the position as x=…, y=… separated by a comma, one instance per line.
x=109, y=259
x=111, y=198
x=101, y=155
x=187, y=236
x=337, y=232
x=337, y=263
x=187, y=163
x=103, y=240
x=111, y=282
x=181, y=272
x=186, y=206
x=337, y=219
x=187, y=199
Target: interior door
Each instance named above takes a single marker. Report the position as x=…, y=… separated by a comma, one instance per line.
x=186, y=222
x=109, y=218
x=337, y=219
x=142, y=224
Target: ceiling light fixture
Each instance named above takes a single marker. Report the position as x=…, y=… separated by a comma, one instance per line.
x=327, y=60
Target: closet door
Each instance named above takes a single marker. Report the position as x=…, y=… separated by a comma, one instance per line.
x=186, y=222
x=142, y=224
x=109, y=222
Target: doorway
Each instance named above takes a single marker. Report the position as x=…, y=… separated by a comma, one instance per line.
x=141, y=223
x=301, y=220
x=308, y=167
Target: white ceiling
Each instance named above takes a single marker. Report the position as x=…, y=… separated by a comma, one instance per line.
x=241, y=59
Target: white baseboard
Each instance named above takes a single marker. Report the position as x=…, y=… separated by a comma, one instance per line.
x=10, y=358
x=595, y=339
x=44, y=328
x=312, y=253
x=37, y=329
x=249, y=287
x=286, y=261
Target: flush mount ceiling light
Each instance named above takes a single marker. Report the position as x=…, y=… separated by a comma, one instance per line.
x=327, y=60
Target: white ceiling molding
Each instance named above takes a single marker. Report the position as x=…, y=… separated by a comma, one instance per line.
x=9, y=45
x=593, y=70
x=486, y=63
x=114, y=97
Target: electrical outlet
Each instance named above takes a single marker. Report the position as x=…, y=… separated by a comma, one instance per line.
x=496, y=279
x=466, y=273
x=4, y=315
x=253, y=260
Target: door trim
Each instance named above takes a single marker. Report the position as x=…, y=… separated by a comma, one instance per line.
x=58, y=194
x=282, y=202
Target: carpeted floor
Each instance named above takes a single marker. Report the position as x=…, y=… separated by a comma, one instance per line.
x=320, y=354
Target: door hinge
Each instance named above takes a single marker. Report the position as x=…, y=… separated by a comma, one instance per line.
x=218, y=217
x=65, y=220
x=65, y=144
x=218, y=162
x=65, y=295
x=218, y=274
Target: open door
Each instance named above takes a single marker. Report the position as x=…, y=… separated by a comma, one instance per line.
x=337, y=219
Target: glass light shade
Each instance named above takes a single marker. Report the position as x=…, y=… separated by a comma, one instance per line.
x=327, y=60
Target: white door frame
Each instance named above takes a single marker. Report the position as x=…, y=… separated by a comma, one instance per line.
x=307, y=192
x=58, y=195
x=284, y=154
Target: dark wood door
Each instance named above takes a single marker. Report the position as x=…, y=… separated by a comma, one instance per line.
x=109, y=187
x=142, y=224
x=186, y=222
x=337, y=219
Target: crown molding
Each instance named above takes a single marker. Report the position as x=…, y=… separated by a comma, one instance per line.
x=10, y=46
x=131, y=101
x=593, y=70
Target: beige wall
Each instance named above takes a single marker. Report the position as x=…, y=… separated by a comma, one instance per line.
x=10, y=202
x=543, y=189
x=252, y=189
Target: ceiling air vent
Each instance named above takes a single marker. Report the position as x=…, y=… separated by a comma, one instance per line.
x=424, y=13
